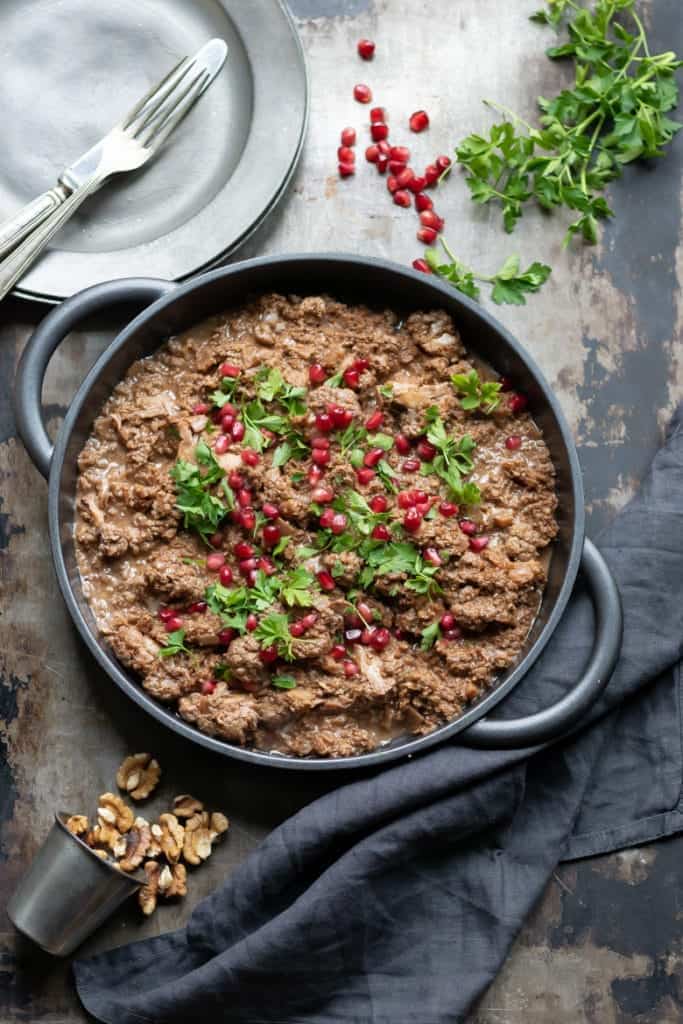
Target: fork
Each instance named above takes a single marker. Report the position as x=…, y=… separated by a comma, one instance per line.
x=129, y=145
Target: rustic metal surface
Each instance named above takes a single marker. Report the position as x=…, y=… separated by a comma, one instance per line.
x=605, y=946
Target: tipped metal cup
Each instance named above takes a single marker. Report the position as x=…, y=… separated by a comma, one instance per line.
x=67, y=892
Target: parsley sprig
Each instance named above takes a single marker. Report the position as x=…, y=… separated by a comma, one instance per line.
x=273, y=630
x=509, y=285
x=453, y=460
x=175, y=645
x=202, y=510
x=476, y=393
x=400, y=558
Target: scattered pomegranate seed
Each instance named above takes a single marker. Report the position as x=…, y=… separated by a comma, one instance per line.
x=297, y=628
x=402, y=444
x=419, y=121
x=372, y=457
x=478, y=544
x=266, y=566
x=315, y=475
x=513, y=442
x=229, y=370
x=362, y=93
x=228, y=410
x=411, y=465
x=324, y=422
x=506, y=383
x=309, y=619
x=378, y=503
x=216, y=539
x=432, y=174
x=402, y=198
x=338, y=523
x=405, y=176
x=208, y=686
x=442, y=163
x=372, y=154
x=322, y=495
x=250, y=457
x=268, y=655
x=412, y=520
x=468, y=527
x=365, y=475
x=175, y=622
x=432, y=556
x=447, y=620
x=235, y=480
x=378, y=114
x=380, y=638
x=427, y=236
x=270, y=511
x=426, y=450
x=244, y=497
x=395, y=167
x=346, y=155
x=417, y=183
x=243, y=550
x=248, y=519
x=221, y=444
x=338, y=652
x=379, y=130
x=380, y=532
x=215, y=561
x=423, y=202
x=225, y=575
x=251, y=622
x=248, y=565
x=452, y=634
x=227, y=423
x=405, y=499
x=348, y=137
x=375, y=420
x=317, y=373
x=366, y=49
x=400, y=153
x=320, y=456
x=326, y=518
x=165, y=614
x=430, y=219
x=422, y=266
x=340, y=417
x=351, y=669
x=448, y=509
x=367, y=635
x=197, y=608
x=517, y=403
x=346, y=170
x=351, y=378
x=226, y=636
x=353, y=621
x=325, y=580
x=201, y=408
x=392, y=184
x=271, y=535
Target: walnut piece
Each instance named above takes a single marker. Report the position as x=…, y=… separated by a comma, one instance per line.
x=197, y=845
x=172, y=837
x=219, y=824
x=103, y=834
x=138, y=775
x=77, y=824
x=186, y=806
x=112, y=810
x=147, y=896
x=137, y=842
x=173, y=881
x=102, y=854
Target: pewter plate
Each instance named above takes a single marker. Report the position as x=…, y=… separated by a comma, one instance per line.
x=70, y=69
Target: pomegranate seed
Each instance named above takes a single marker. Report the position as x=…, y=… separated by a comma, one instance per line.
x=402, y=444
x=517, y=403
x=416, y=184
x=350, y=669
x=384, y=148
x=432, y=556
x=348, y=137
x=251, y=622
x=513, y=442
x=478, y=544
x=447, y=620
x=419, y=121
x=248, y=519
x=423, y=202
x=399, y=633
x=395, y=167
x=378, y=503
x=320, y=442
x=225, y=575
x=367, y=635
x=372, y=457
x=380, y=638
x=442, y=163
x=392, y=184
x=400, y=153
x=297, y=628
x=266, y=566
x=322, y=495
x=353, y=621
x=270, y=511
x=215, y=561
x=340, y=417
x=411, y=465
x=201, y=408
x=506, y=383
x=351, y=378
x=320, y=456
x=326, y=518
x=314, y=475
x=379, y=131
x=221, y=444
x=468, y=527
x=432, y=174
x=430, y=219
x=268, y=655
x=235, y=480
x=362, y=93
x=405, y=177
x=375, y=420
x=338, y=523
x=325, y=580
x=208, y=686
x=427, y=236
x=198, y=608
x=448, y=509
x=317, y=373
x=216, y=539
x=346, y=170
x=243, y=550
x=366, y=49
x=378, y=114
x=452, y=634
x=426, y=450
x=229, y=370
x=175, y=622
x=346, y=155
x=372, y=154
x=364, y=475
x=271, y=535
x=405, y=499
x=250, y=457
x=244, y=497
x=412, y=520
x=338, y=652
x=360, y=364
x=227, y=423
x=402, y=198
x=309, y=619
x=324, y=422
x=226, y=636
x=380, y=532
x=165, y=614
x=248, y=565
x=353, y=635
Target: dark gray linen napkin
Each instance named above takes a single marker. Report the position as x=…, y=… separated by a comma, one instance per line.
x=395, y=899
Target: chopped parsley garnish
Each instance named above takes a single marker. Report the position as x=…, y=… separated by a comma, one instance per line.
x=226, y=393
x=385, y=473
x=476, y=393
x=298, y=587
x=335, y=380
x=452, y=461
x=176, y=644
x=429, y=636
x=386, y=390
x=352, y=436
x=383, y=441
x=273, y=630
x=283, y=682
x=202, y=510
x=400, y=558
x=273, y=386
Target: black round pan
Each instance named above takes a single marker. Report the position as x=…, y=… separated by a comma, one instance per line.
x=172, y=309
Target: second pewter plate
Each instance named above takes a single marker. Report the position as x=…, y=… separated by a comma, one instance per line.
x=71, y=69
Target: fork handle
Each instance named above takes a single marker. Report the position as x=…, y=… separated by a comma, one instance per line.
x=15, y=229
x=12, y=268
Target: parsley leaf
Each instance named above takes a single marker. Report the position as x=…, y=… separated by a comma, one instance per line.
x=202, y=510
x=176, y=644
x=452, y=461
x=477, y=393
x=400, y=558
x=298, y=587
x=429, y=636
x=509, y=285
x=283, y=682
x=273, y=630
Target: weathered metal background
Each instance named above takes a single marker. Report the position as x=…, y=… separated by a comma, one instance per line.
x=606, y=944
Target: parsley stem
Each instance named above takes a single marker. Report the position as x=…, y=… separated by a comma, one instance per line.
x=509, y=113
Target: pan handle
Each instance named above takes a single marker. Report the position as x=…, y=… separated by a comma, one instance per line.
x=28, y=386
x=553, y=722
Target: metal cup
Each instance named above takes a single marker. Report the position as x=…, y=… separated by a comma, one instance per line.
x=67, y=892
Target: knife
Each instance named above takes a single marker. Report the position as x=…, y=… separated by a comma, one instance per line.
x=210, y=58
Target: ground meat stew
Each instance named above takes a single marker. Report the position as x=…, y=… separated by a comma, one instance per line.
x=311, y=527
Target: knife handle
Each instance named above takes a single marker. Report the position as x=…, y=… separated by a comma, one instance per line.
x=15, y=229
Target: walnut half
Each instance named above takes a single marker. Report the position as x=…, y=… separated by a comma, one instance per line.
x=137, y=842
x=147, y=896
x=113, y=811
x=138, y=775
x=77, y=824
x=172, y=837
